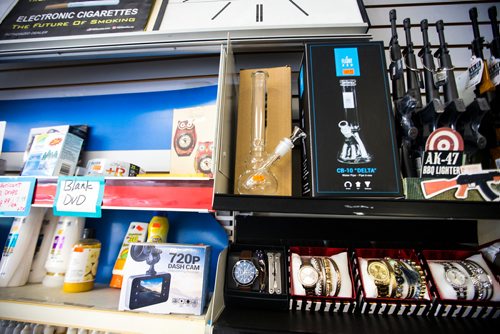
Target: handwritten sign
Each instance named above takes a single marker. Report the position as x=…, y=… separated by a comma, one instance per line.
x=16, y=194
x=79, y=196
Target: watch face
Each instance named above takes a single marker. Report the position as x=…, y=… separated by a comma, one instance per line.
x=205, y=164
x=455, y=277
x=308, y=276
x=212, y=15
x=184, y=141
x=378, y=271
x=244, y=272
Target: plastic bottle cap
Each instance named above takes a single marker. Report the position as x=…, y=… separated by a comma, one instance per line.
x=88, y=233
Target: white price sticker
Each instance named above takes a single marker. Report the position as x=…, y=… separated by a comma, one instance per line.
x=79, y=196
x=15, y=196
x=475, y=71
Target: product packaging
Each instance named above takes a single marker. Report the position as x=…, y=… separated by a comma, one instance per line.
x=321, y=280
x=464, y=284
x=350, y=149
x=53, y=154
x=18, y=252
x=193, y=137
x=83, y=261
x=391, y=281
x=158, y=229
x=256, y=276
x=106, y=167
x=68, y=232
x=49, y=223
x=137, y=232
x=165, y=278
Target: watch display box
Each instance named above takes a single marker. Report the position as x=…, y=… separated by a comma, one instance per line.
x=463, y=282
x=391, y=281
x=256, y=276
x=321, y=280
x=345, y=109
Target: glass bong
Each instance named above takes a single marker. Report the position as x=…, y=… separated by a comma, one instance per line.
x=353, y=150
x=257, y=177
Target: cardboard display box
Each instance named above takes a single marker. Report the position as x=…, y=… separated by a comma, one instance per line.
x=165, y=278
x=347, y=114
x=278, y=123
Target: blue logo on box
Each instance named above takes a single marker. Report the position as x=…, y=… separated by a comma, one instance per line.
x=347, y=62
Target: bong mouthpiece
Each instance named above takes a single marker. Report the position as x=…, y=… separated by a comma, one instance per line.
x=297, y=134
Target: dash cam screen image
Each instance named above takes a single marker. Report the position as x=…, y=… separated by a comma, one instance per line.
x=149, y=290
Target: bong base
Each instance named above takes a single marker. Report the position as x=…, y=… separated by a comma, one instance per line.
x=359, y=160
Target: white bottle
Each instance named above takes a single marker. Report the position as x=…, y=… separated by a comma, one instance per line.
x=27, y=329
x=67, y=233
x=19, y=249
x=49, y=223
x=38, y=329
x=49, y=329
x=3, y=326
x=11, y=327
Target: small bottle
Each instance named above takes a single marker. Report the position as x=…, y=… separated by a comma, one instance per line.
x=49, y=329
x=83, y=262
x=158, y=229
x=17, y=254
x=38, y=329
x=68, y=232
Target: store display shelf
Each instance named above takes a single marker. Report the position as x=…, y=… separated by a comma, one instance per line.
x=96, y=309
x=246, y=321
x=358, y=207
x=147, y=44
x=174, y=194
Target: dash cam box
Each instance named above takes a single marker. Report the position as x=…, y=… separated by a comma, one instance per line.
x=165, y=278
x=345, y=108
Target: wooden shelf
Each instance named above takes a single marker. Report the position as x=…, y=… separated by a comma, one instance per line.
x=96, y=309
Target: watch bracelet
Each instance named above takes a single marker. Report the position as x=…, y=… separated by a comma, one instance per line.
x=338, y=278
x=328, y=276
x=421, y=286
x=482, y=291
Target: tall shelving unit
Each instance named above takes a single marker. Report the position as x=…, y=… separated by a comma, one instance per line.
x=98, y=308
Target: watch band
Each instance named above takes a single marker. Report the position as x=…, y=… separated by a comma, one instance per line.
x=338, y=284
x=483, y=287
x=328, y=277
x=318, y=265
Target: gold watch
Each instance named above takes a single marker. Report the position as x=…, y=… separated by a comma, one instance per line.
x=380, y=273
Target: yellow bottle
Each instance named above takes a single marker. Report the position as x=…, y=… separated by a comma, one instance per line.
x=83, y=262
x=158, y=229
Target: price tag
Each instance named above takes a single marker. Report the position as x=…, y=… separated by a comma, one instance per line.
x=79, y=196
x=494, y=70
x=440, y=77
x=16, y=195
x=475, y=71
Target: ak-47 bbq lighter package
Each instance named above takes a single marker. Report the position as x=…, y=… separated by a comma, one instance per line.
x=345, y=108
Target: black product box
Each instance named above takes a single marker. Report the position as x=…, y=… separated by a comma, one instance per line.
x=256, y=276
x=346, y=111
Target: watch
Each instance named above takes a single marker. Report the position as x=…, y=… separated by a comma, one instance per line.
x=483, y=286
x=457, y=279
x=244, y=271
x=380, y=273
x=237, y=16
x=184, y=138
x=308, y=276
